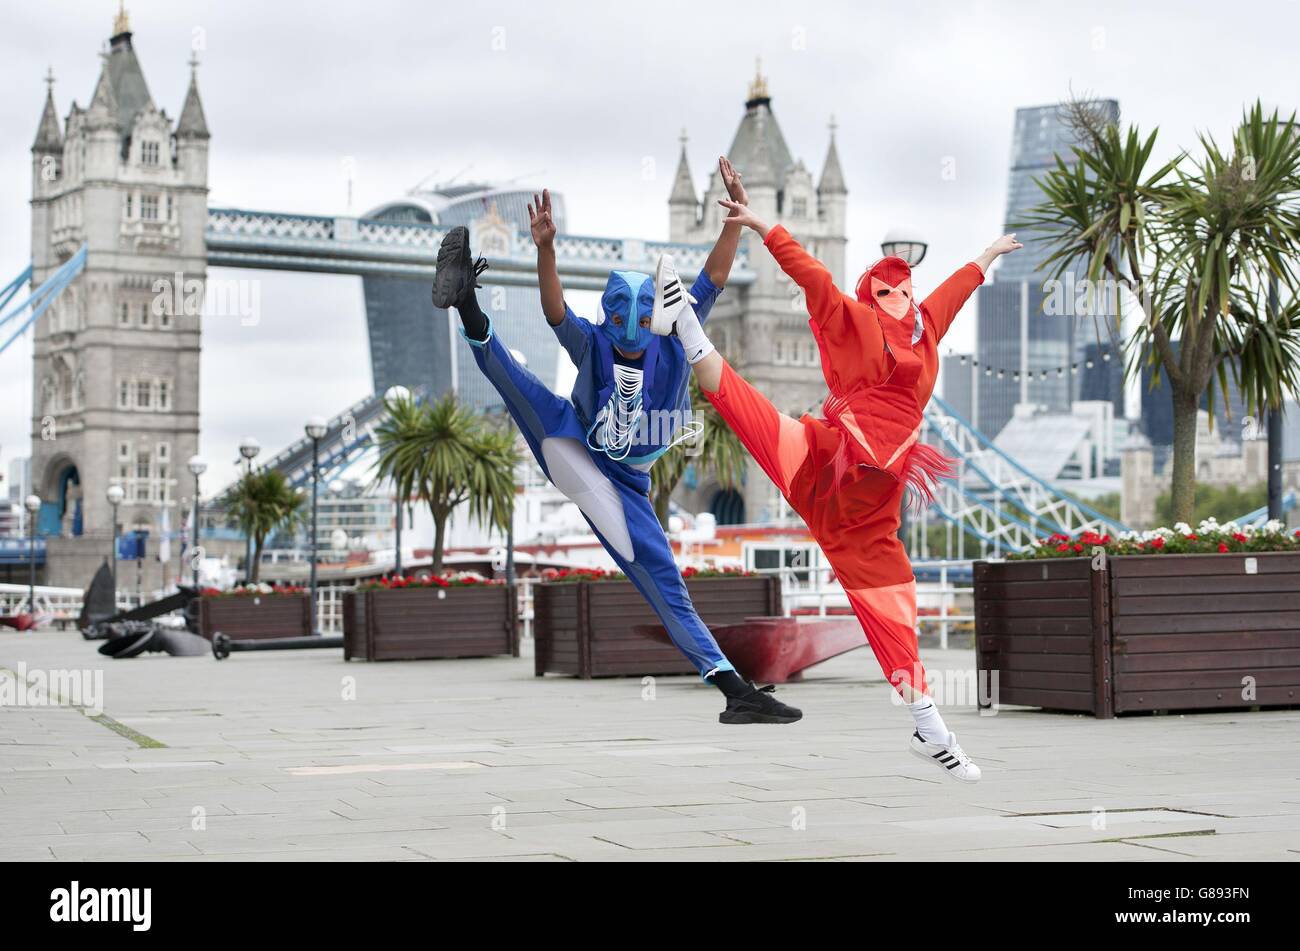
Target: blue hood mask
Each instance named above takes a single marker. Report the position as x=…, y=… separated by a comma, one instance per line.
x=619, y=424
x=630, y=295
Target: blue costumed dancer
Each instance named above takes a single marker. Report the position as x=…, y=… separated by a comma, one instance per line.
x=630, y=403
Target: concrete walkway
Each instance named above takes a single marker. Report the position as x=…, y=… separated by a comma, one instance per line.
x=298, y=755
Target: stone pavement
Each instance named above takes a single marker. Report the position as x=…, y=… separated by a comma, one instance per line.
x=298, y=755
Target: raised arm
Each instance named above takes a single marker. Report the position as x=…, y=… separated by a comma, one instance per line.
x=542, y=226
x=824, y=298
x=723, y=255
x=948, y=298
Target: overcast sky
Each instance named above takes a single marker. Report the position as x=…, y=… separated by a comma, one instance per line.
x=578, y=96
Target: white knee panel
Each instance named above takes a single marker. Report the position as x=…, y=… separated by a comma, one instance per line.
x=576, y=475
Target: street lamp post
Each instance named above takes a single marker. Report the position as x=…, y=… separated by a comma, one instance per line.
x=315, y=429
x=33, y=505
x=904, y=243
x=397, y=394
x=197, y=467
x=249, y=448
x=1274, y=425
x=115, y=494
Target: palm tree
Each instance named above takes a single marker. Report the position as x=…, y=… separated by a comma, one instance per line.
x=445, y=454
x=1200, y=243
x=717, y=450
x=262, y=502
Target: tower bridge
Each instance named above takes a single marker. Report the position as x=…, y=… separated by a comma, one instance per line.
x=242, y=238
x=120, y=201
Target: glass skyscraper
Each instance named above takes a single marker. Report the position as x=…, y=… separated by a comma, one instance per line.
x=1020, y=329
x=413, y=343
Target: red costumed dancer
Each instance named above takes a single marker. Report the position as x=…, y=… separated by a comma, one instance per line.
x=846, y=473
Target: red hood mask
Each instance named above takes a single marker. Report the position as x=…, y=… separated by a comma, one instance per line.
x=887, y=286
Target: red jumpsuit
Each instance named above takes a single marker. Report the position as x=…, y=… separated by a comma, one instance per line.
x=845, y=474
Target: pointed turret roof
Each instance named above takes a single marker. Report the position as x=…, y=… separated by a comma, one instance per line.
x=103, y=102
x=683, y=187
x=759, y=148
x=832, y=181
x=193, y=124
x=49, y=137
x=127, y=78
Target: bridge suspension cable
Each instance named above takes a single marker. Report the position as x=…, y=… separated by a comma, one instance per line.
x=41, y=298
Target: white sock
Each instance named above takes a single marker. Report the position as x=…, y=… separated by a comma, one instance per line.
x=691, y=334
x=928, y=721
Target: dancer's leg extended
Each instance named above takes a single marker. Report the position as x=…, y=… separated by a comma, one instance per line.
x=620, y=513
x=887, y=613
x=626, y=524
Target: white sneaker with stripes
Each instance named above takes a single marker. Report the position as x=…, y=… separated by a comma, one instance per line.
x=670, y=297
x=949, y=757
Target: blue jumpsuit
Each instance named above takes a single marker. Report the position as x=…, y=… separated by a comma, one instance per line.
x=635, y=540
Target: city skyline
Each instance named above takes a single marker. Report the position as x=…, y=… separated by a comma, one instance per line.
x=943, y=170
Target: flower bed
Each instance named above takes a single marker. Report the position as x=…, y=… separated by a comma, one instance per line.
x=1175, y=619
x=462, y=579
x=586, y=626
x=252, y=590
x=1208, y=538
x=462, y=615
x=255, y=612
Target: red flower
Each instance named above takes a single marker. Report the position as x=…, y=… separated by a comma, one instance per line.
x=1237, y=536
x=1191, y=538
x=1158, y=542
x=1223, y=546
x=1078, y=548
x=1062, y=547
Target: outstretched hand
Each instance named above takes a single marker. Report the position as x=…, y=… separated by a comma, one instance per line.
x=540, y=221
x=1005, y=244
x=733, y=180
x=741, y=215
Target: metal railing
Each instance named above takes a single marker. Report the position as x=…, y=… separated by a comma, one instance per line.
x=814, y=586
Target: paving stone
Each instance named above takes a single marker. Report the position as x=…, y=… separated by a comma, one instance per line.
x=479, y=760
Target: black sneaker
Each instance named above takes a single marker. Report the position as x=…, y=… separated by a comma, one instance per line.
x=758, y=706
x=457, y=273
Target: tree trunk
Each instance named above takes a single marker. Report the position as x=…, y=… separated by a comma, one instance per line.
x=439, y=539
x=661, y=508
x=1182, y=489
x=255, y=569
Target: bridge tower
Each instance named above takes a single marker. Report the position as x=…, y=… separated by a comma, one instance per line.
x=116, y=358
x=763, y=328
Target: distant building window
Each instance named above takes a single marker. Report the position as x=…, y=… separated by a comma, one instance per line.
x=164, y=402
x=124, y=314
x=142, y=394
x=778, y=352
x=149, y=153
x=149, y=207
x=142, y=474
x=124, y=396
x=145, y=315
x=130, y=204
x=799, y=207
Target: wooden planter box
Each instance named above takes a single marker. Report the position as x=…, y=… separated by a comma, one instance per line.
x=428, y=623
x=1141, y=632
x=255, y=616
x=587, y=628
